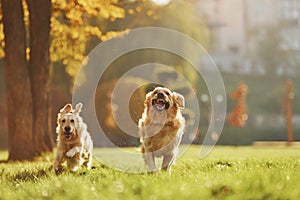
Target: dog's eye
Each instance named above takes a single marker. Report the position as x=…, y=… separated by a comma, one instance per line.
x=72, y=120
x=63, y=120
x=155, y=92
x=167, y=93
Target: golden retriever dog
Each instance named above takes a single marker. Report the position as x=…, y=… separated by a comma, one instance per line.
x=161, y=127
x=74, y=143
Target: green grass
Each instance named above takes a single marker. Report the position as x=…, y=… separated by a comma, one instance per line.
x=227, y=173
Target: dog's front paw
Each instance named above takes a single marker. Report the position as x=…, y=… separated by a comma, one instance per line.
x=56, y=170
x=53, y=170
x=153, y=171
x=71, y=153
x=74, y=168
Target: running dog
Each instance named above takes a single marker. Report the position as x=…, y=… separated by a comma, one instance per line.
x=74, y=143
x=161, y=127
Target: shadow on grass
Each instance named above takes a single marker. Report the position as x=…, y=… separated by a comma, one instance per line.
x=29, y=175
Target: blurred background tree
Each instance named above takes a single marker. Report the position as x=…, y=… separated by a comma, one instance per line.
x=289, y=96
x=26, y=48
x=238, y=116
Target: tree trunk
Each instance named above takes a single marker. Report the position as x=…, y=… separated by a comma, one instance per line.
x=27, y=82
x=19, y=102
x=40, y=13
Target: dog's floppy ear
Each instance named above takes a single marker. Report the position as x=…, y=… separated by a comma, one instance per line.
x=148, y=96
x=77, y=108
x=179, y=99
x=66, y=109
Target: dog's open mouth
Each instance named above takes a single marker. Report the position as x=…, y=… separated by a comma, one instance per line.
x=160, y=104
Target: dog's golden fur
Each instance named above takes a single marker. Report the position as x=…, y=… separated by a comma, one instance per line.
x=161, y=127
x=74, y=143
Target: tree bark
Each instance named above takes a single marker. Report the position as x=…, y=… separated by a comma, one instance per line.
x=39, y=17
x=27, y=81
x=19, y=101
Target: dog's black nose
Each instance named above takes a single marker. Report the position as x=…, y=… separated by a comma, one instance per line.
x=67, y=129
x=160, y=95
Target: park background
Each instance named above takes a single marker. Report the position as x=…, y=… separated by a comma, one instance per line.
x=255, y=41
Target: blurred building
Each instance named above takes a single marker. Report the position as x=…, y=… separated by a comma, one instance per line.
x=237, y=24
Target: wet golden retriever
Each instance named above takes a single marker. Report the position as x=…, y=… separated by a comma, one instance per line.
x=161, y=127
x=74, y=143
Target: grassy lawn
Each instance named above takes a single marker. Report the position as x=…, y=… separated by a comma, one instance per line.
x=227, y=173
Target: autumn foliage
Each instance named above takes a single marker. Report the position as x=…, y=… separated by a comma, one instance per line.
x=72, y=26
x=238, y=116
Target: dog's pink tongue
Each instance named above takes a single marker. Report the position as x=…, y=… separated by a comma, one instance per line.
x=159, y=105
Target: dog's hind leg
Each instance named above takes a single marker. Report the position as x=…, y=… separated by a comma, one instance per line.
x=74, y=163
x=150, y=162
x=57, y=162
x=89, y=162
x=167, y=161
